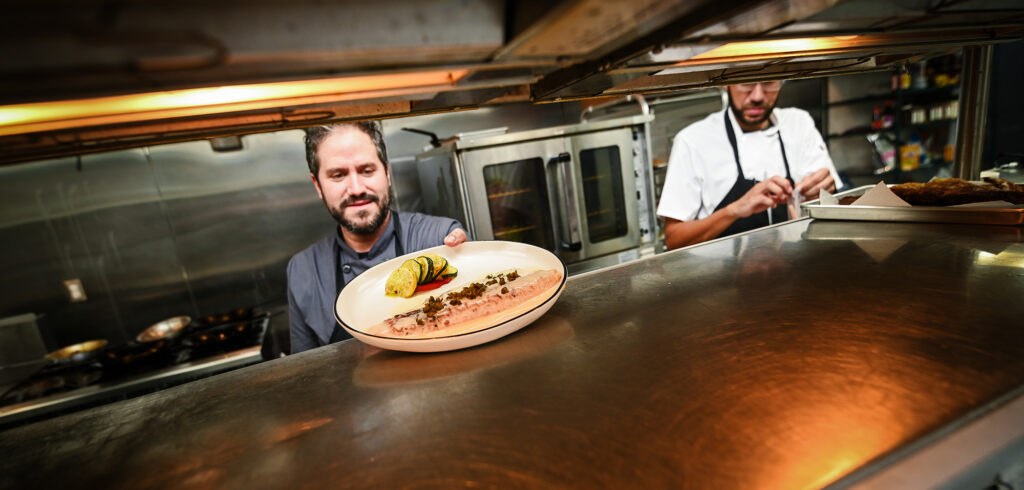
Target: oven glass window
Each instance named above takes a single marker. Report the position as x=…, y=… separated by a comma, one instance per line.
x=518, y=201
x=603, y=195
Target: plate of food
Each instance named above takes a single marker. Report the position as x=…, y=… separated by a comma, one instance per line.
x=447, y=298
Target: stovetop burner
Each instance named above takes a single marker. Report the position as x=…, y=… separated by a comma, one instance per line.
x=209, y=336
x=54, y=379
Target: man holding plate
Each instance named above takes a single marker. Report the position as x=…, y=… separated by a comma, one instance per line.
x=349, y=167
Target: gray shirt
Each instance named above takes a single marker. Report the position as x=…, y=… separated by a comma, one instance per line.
x=312, y=273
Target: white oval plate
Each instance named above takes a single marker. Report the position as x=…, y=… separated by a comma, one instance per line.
x=363, y=304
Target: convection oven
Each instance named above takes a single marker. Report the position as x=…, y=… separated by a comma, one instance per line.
x=583, y=191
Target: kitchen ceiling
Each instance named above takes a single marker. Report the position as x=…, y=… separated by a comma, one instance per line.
x=88, y=76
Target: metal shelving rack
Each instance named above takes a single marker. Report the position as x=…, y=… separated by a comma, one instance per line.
x=898, y=133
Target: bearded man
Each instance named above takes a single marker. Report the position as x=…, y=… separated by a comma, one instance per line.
x=729, y=172
x=348, y=164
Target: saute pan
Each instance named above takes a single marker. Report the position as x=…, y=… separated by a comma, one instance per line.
x=163, y=330
x=80, y=352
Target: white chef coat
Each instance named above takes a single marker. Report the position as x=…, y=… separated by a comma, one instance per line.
x=702, y=167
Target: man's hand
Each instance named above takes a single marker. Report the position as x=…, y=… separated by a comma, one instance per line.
x=762, y=196
x=456, y=237
x=812, y=185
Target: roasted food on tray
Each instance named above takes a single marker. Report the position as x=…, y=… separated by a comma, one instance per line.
x=423, y=273
x=474, y=304
x=949, y=192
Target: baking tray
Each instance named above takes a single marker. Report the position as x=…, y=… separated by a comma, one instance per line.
x=971, y=235
x=915, y=214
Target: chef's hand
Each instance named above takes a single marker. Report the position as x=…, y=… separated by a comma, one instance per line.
x=456, y=237
x=762, y=196
x=812, y=185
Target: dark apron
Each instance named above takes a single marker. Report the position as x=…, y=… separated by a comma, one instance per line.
x=743, y=185
x=339, y=333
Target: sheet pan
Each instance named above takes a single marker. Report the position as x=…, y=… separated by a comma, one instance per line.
x=915, y=214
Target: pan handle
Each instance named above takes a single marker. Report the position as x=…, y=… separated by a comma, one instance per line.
x=436, y=143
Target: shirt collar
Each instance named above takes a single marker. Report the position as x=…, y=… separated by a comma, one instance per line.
x=771, y=130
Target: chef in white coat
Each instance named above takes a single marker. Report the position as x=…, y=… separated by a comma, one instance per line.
x=737, y=169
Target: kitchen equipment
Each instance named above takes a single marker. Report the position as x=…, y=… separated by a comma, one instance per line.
x=235, y=315
x=226, y=331
x=581, y=191
x=22, y=350
x=80, y=352
x=53, y=385
x=51, y=379
x=165, y=329
x=139, y=356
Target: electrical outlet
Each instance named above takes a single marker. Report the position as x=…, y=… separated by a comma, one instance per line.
x=76, y=292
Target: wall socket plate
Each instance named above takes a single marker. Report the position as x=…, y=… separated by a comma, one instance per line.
x=76, y=292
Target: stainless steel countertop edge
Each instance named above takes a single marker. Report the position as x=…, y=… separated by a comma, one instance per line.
x=964, y=454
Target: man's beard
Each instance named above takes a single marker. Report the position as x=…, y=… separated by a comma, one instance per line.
x=739, y=112
x=373, y=224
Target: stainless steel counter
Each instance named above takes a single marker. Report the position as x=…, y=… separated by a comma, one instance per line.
x=791, y=357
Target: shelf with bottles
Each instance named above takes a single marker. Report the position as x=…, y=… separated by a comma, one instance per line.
x=920, y=96
x=906, y=121
x=931, y=117
x=924, y=92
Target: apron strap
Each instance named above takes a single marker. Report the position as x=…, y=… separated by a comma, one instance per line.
x=399, y=249
x=736, y=149
x=785, y=161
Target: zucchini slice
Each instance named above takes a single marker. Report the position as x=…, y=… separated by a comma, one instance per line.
x=449, y=272
x=439, y=264
x=427, y=269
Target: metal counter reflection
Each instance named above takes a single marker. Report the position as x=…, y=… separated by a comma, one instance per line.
x=385, y=368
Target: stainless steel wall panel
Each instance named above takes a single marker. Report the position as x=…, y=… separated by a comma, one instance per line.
x=97, y=220
x=154, y=233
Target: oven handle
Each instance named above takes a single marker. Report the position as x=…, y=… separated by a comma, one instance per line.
x=573, y=244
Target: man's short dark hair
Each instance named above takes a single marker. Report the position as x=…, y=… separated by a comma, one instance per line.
x=316, y=135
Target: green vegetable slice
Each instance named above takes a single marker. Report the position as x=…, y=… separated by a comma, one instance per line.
x=427, y=269
x=449, y=272
x=439, y=264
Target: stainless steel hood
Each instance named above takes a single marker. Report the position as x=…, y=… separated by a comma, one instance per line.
x=97, y=75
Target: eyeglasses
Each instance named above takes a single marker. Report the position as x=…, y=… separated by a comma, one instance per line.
x=772, y=86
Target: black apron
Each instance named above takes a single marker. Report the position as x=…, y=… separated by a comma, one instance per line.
x=742, y=185
x=339, y=333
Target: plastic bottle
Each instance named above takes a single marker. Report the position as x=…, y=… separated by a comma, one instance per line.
x=888, y=115
x=910, y=153
x=920, y=77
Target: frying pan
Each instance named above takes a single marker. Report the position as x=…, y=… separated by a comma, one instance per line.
x=163, y=330
x=79, y=352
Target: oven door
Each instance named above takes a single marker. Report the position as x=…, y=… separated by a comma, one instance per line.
x=605, y=181
x=508, y=191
